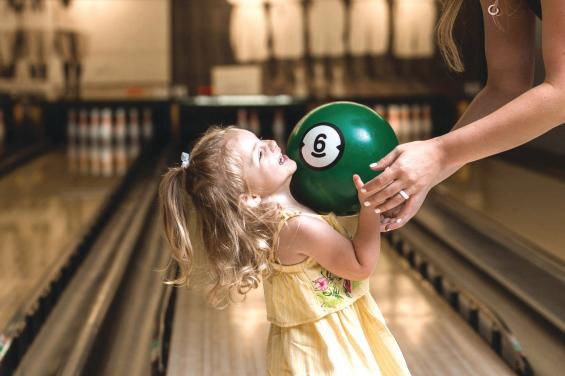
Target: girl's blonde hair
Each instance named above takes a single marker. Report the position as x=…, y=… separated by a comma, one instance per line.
x=448, y=48
x=238, y=240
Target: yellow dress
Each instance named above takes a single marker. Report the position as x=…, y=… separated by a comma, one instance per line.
x=322, y=324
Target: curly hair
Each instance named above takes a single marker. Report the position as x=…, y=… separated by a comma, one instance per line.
x=238, y=240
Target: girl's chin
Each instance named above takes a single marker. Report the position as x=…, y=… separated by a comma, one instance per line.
x=293, y=165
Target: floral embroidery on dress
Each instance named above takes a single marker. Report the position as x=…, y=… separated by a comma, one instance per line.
x=330, y=289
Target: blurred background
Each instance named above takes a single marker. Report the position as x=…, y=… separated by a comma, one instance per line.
x=97, y=97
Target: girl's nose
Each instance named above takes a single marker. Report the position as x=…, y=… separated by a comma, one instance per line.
x=272, y=145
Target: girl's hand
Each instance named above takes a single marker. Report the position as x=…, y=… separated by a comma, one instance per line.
x=389, y=217
x=410, y=171
x=362, y=194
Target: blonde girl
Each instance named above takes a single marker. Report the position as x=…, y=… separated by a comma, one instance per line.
x=315, y=275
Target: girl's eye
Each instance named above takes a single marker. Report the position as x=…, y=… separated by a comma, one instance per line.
x=260, y=154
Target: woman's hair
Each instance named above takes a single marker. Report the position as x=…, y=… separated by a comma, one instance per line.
x=448, y=47
x=238, y=240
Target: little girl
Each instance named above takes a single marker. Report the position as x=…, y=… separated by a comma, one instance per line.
x=315, y=275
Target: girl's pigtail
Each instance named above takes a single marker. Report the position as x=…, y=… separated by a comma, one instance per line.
x=174, y=206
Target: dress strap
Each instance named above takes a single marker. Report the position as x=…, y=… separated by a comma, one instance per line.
x=288, y=214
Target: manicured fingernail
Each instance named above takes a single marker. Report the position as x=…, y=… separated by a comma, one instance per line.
x=373, y=165
x=366, y=203
x=399, y=220
x=363, y=190
x=378, y=211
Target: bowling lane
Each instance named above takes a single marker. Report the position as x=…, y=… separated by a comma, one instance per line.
x=43, y=209
x=433, y=338
x=527, y=203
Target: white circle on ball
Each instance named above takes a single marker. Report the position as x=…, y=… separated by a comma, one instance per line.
x=322, y=146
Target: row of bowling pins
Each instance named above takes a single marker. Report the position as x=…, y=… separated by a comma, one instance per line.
x=98, y=146
x=410, y=122
x=98, y=127
x=249, y=119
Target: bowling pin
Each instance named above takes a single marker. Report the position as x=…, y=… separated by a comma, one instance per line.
x=72, y=141
x=133, y=128
x=255, y=124
x=120, y=128
x=134, y=134
x=279, y=129
x=147, y=124
x=94, y=154
x=106, y=130
x=242, y=119
x=120, y=135
x=394, y=119
x=404, y=129
x=381, y=110
x=94, y=129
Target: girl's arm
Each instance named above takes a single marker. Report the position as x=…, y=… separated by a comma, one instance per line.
x=350, y=259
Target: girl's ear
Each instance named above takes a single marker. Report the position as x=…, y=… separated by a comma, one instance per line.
x=250, y=200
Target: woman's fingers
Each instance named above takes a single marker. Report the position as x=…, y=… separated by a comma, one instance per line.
x=384, y=195
x=392, y=202
x=378, y=183
x=386, y=161
x=387, y=176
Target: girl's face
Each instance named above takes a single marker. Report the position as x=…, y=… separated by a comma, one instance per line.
x=266, y=169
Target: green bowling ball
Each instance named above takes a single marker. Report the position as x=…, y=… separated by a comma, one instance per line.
x=329, y=145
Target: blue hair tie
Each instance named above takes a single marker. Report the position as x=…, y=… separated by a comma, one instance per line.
x=185, y=160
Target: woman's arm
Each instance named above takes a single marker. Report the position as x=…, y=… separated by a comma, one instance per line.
x=529, y=115
x=416, y=167
x=350, y=259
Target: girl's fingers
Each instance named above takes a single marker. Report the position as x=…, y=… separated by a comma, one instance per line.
x=358, y=183
x=407, y=212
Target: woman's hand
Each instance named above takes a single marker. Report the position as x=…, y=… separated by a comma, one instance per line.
x=410, y=171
